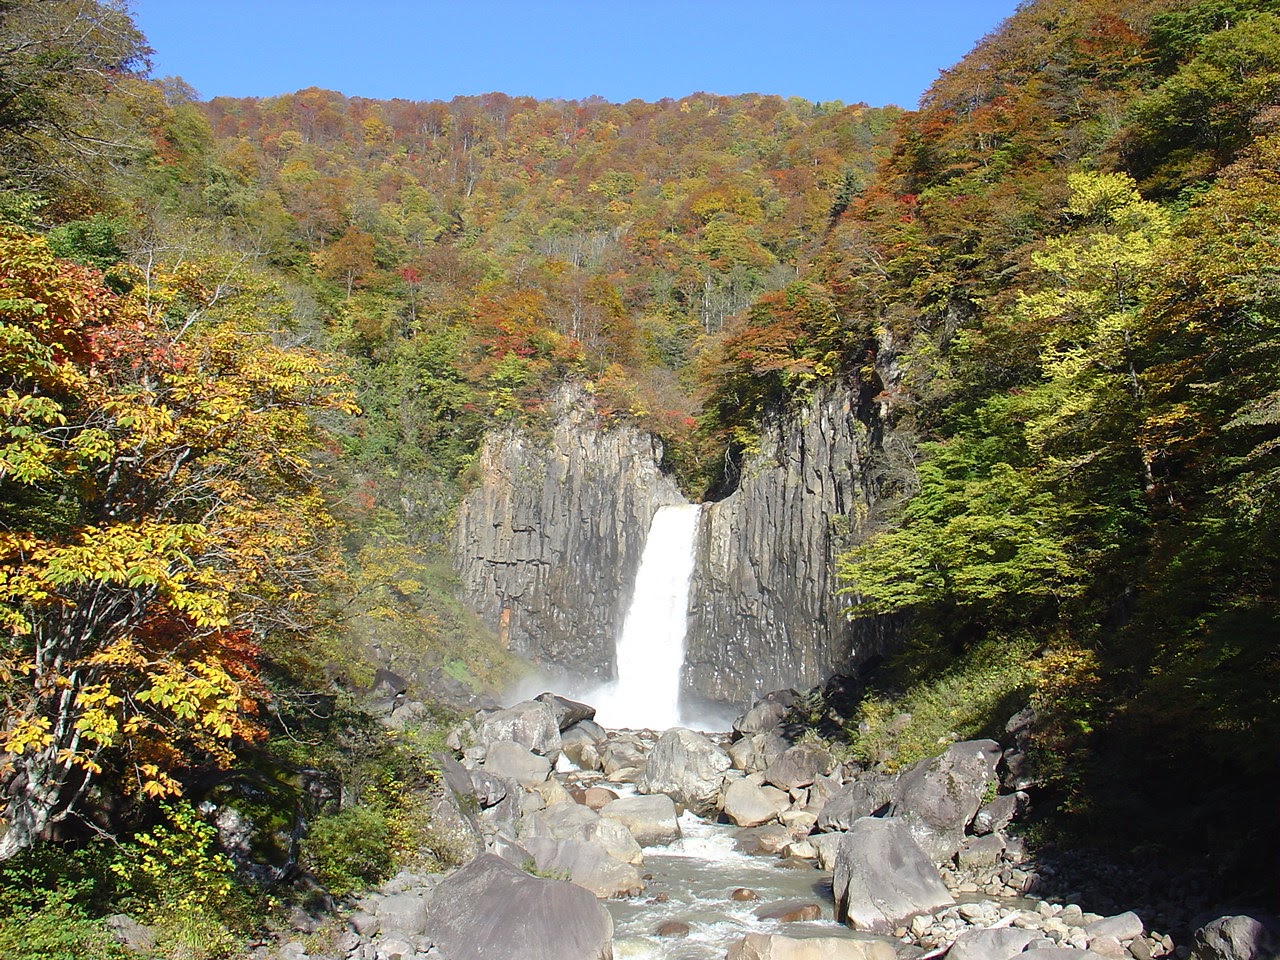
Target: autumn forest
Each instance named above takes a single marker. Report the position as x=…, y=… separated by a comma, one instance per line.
x=249, y=350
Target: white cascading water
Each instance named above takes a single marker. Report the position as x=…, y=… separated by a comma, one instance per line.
x=650, y=651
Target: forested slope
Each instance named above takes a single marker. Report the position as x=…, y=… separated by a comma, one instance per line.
x=1058, y=275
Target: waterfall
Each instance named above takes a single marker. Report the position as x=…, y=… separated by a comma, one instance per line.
x=646, y=692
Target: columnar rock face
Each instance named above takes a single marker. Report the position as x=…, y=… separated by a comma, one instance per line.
x=764, y=613
x=548, y=544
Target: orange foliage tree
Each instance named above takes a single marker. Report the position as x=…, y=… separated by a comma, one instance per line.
x=160, y=515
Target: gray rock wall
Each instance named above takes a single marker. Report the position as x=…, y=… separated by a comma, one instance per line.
x=764, y=613
x=548, y=544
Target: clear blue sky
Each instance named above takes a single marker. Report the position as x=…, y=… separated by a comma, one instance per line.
x=877, y=51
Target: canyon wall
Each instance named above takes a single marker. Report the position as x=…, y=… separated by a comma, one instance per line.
x=548, y=543
x=763, y=611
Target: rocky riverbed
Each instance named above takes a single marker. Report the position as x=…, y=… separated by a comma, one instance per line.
x=583, y=844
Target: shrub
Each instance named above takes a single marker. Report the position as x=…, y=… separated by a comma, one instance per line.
x=350, y=849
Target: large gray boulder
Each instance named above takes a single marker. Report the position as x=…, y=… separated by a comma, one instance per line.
x=491, y=909
x=651, y=820
x=882, y=877
x=938, y=797
x=867, y=796
x=581, y=747
x=750, y=802
x=799, y=766
x=1239, y=937
x=572, y=821
x=766, y=715
x=567, y=712
x=991, y=943
x=687, y=767
x=585, y=863
x=620, y=753
x=511, y=761
x=531, y=724
x=765, y=946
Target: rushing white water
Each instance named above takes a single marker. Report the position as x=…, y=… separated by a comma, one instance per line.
x=651, y=648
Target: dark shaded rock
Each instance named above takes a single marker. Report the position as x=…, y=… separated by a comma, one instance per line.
x=1239, y=937
x=798, y=767
x=491, y=909
x=937, y=798
x=687, y=767
x=567, y=712
x=388, y=684
x=790, y=912
x=882, y=877
x=999, y=813
x=742, y=894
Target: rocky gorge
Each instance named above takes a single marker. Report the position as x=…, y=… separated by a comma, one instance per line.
x=582, y=843
x=548, y=542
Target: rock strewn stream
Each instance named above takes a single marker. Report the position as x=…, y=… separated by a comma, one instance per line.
x=779, y=853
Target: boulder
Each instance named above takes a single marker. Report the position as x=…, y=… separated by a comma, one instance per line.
x=616, y=840
x=1123, y=926
x=672, y=929
x=992, y=943
x=405, y=913
x=938, y=797
x=1239, y=937
x=798, y=766
x=766, y=715
x=490, y=908
x=651, y=820
x=132, y=935
x=581, y=748
x=531, y=724
x=765, y=946
x=980, y=853
x=792, y=912
x=999, y=813
x=687, y=767
x=511, y=760
x=572, y=821
x=553, y=792
x=882, y=877
x=594, y=797
x=585, y=863
x=826, y=845
x=866, y=796
x=749, y=803
x=619, y=753
x=567, y=712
